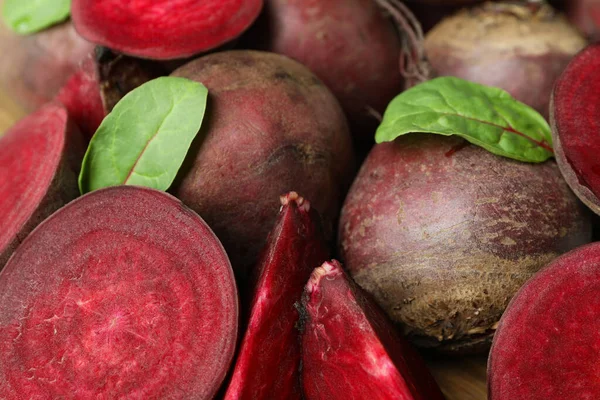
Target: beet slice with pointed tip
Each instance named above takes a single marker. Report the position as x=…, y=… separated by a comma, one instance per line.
x=123, y=293
x=268, y=365
x=547, y=344
x=350, y=349
x=40, y=158
x=163, y=29
x=575, y=121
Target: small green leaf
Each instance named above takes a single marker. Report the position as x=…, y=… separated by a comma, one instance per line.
x=29, y=16
x=485, y=116
x=144, y=140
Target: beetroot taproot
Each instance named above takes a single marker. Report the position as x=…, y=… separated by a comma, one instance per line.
x=33, y=68
x=163, y=29
x=349, y=348
x=585, y=14
x=268, y=364
x=271, y=127
x=547, y=346
x=517, y=47
x=575, y=121
x=40, y=158
x=443, y=233
x=123, y=293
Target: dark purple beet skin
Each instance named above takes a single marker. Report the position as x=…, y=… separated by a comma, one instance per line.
x=268, y=364
x=547, y=345
x=443, y=234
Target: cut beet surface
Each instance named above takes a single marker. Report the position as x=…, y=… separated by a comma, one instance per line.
x=350, y=349
x=40, y=158
x=268, y=366
x=575, y=120
x=547, y=345
x=123, y=293
x=163, y=29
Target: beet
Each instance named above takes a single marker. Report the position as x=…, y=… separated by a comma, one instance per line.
x=163, y=29
x=268, y=366
x=519, y=48
x=443, y=233
x=271, y=127
x=575, y=121
x=123, y=293
x=349, y=348
x=33, y=68
x=585, y=14
x=40, y=158
x=547, y=345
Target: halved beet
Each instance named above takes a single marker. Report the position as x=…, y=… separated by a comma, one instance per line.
x=547, y=345
x=350, y=349
x=268, y=366
x=40, y=158
x=575, y=121
x=123, y=293
x=163, y=29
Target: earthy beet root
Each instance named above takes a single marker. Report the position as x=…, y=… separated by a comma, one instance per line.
x=40, y=158
x=443, y=234
x=271, y=127
x=585, y=14
x=519, y=48
x=349, y=44
x=349, y=348
x=430, y=14
x=163, y=29
x=268, y=366
x=33, y=68
x=575, y=120
x=123, y=293
x=546, y=346
x=100, y=82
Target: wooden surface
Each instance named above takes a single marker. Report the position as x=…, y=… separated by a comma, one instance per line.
x=460, y=379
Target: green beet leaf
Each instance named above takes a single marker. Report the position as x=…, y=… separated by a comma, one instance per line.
x=146, y=137
x=485, y=116
x=29, y=16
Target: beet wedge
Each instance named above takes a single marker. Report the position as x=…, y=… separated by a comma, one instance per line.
x=122, y=294
x=547, y=344
x=40, y=158
x=268, y=365
x=351, y=351
x=163, y=29
x=575, y=121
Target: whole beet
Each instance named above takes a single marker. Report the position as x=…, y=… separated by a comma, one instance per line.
x=443, y=236
x=271, y=127
x=521, y=49
x=585, y=14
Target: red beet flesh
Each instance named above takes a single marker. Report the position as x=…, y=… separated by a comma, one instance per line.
x=123, y=293
x=163, y=29
x=268, y=366
x=547, y=345
x=39, y=163
x=351, y=351
x=575, y=120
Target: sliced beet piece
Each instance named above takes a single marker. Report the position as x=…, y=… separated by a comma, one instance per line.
x=268, y=365
x=123, y=293
x=163, y=29
x=575, y=121
x=350, y=349
x=547, y=345
x=40, y=158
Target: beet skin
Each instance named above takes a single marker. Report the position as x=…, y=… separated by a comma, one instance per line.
x=268, y=364
x=349, y=348
x=271, y=127
x=547, y=345
x=444, y=233
x=40, y=158
x=123, y=293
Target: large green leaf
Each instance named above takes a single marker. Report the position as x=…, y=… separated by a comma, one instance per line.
x=144, y=140
x=29, y=16
x=485, y=116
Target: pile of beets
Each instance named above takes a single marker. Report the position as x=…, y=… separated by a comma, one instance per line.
x=228, y=285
